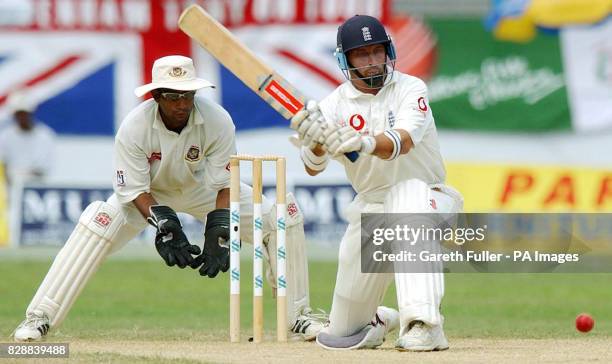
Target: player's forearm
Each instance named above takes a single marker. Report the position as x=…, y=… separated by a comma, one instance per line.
x=385, y=146
x=143, y=202
x=223, y=197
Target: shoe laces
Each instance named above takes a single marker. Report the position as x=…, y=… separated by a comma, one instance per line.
x=417, y=328
x=319, y=316
x=32, y=320
x=377, y=320
x=35, y=320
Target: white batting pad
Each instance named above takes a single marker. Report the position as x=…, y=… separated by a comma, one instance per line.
x=297, y=259
x=85, y=249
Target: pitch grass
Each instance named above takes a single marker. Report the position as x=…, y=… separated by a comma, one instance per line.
x=144, y=299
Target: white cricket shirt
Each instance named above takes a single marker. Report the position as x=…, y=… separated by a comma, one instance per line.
x=25, y=151
x=149, y=157
x=401, y=104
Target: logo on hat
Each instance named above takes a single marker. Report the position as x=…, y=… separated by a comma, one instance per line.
x=177, y=72
x=366, y=34
x=173, y=72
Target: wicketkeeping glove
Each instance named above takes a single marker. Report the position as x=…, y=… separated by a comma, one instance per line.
x=170, y=240
x=215, y=255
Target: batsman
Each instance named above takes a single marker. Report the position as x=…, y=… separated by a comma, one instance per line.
x=385, y=116
x=172, y=154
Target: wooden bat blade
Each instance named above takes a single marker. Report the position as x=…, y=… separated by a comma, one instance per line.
x=243, y=63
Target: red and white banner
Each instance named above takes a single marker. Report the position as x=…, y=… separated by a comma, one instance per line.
x=81, y=59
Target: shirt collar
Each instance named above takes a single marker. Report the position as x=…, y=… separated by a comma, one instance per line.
x=353, y=93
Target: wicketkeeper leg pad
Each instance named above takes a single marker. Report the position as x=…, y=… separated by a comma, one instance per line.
x=85, y=249
x=297, y=259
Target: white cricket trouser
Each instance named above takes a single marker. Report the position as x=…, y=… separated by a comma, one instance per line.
x=357, y=295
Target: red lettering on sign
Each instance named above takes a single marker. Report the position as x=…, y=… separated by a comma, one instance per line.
x=562, y=191
x=605, y=191
x=516, y=183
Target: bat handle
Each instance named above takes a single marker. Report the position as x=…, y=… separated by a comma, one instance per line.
x=352, y=156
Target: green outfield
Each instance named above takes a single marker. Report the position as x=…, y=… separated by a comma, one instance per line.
x=143, y=300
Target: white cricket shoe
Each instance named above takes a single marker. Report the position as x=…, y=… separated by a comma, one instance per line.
x=308, y=324
x=33, y=328
x=388, y=317
x=422, y=337
x=385, y=321
x=370, y=337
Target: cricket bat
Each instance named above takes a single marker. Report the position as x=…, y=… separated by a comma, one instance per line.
x=243, y=63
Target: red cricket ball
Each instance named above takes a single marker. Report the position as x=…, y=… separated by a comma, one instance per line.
x=584, y=322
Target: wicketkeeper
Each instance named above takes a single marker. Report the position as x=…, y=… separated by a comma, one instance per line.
x=171, y=154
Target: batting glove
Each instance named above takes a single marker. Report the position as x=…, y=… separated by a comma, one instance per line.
x=345, y=139
x=309, y=124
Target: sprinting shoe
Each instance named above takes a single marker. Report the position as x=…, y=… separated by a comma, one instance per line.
x=422, y=337
x=33, y=328
x=370, y=337
x=308, y=324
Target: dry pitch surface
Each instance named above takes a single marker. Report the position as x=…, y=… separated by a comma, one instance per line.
x=462, y=351
x=136, y=312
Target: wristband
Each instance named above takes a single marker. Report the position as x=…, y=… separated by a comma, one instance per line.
x=396, y=139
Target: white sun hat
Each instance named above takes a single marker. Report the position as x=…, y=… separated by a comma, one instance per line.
x=20, y=101
x=173, y=72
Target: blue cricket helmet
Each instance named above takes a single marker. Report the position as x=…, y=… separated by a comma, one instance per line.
x=359, y=31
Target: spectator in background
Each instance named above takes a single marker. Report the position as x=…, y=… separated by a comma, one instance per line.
x=26, y=145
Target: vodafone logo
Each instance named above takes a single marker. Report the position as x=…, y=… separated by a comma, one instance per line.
x=357, y=122
x=422, y=104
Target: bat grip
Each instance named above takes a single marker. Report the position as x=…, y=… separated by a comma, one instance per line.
x=352, y=156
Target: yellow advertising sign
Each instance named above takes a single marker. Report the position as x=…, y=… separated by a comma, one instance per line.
x=4, y=228
x=514, y=188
